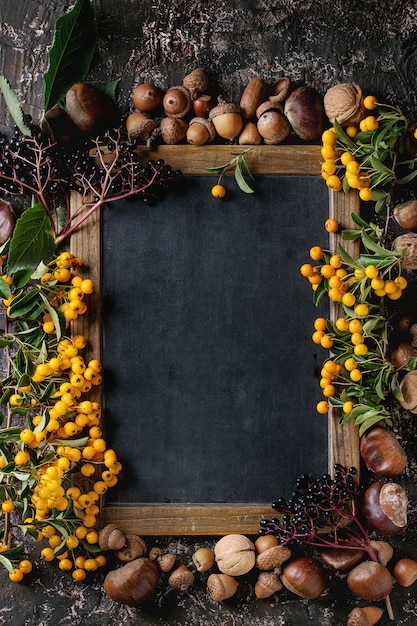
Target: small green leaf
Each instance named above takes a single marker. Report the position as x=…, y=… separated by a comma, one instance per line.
x=14, y=107
x=245, y=169
x=32, y=240
x=73, y=48
x=243, y=185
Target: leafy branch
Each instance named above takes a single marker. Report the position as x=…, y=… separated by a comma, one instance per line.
x=242, y=172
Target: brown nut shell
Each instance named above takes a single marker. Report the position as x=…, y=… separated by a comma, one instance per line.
x=91, y=110
x=305, y=112
x=408, y=241
x=132, y=583
x=7, y=221
x=135, y=547
x=196, y=82
x=147, y=98
x=200, y=131
x=408, y=387
x=370, y=581
x=366, y=616
x=267, y=584
x=234, y=554
x=382, y=453
x=181, y=578
x=279, y=90
x=344, y=102
x=405, y=214
x=111, y=538
x=221, y=586
x=173, y=130
x=272, y=557
x=177, y=102
x=253, y=95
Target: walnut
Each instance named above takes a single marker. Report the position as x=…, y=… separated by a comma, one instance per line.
x=235, y=554
x=344, y=102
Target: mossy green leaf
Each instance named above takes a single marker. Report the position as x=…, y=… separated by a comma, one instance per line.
x=32, y=240
x=72, y=51
x=14, y=107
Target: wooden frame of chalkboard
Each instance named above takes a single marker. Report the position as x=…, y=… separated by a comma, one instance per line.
x=343, y=442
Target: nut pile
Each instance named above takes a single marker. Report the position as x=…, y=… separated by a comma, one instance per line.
x=192, y=113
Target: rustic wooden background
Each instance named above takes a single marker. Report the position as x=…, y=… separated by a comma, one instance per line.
x=314, y=43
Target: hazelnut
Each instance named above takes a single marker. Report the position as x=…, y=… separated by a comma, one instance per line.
x=408, y=242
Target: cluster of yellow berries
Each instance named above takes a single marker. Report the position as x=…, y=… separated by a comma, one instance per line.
x=63, y=439
x=338, y=164
x=341, y=283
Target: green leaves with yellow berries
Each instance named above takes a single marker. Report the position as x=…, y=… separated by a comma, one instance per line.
x=243, y=175
x=378, y=150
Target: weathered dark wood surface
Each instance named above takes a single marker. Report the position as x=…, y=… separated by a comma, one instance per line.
x=315, y=43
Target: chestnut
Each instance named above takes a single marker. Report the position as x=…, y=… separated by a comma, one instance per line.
x=202, y=105
x=370, y=581
x=132, y=583
x=341, y=559
x=305, y=577
x=382, y=453
x=405, y=571
x=305, y=112
x=384, y=508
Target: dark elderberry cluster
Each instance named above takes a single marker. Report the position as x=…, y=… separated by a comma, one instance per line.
x=315, y=504
x=107, y=169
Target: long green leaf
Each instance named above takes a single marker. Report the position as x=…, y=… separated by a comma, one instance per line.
x=32, y=240
x=243, y=185
x=73, y=47
x=13, y=105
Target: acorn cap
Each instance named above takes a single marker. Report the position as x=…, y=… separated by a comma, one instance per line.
x=224, y=107
x=207, y=123
x=267, y=106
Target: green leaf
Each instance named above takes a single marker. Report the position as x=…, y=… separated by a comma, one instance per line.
x=13, y=105
x=72, y=51
x=243, y=185
x=5, y=290
x=32, y=240
x=245, y=169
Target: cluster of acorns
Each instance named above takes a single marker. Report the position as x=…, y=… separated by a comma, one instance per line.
x=190, y=112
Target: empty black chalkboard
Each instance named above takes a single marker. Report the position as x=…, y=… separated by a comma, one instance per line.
x=204, y=322
x=210, y=374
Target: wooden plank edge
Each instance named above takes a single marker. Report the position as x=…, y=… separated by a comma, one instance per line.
x=343, y=444
x=183, y=519
x=301, y=160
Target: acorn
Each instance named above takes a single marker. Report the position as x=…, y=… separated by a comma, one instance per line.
x=253, y=95
x=173, y=130
x=177, y=102
x=272, y=125
x=147, y=98
x=140, y=128
x=200, y=131
x=196, y=82
x=227, y=119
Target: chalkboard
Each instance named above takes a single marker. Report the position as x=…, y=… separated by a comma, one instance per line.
x=210, y=374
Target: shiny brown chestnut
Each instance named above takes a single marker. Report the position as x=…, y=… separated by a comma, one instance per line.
x=382, y=452
x=305, y=577
x=370, y=581
x=384, y=508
